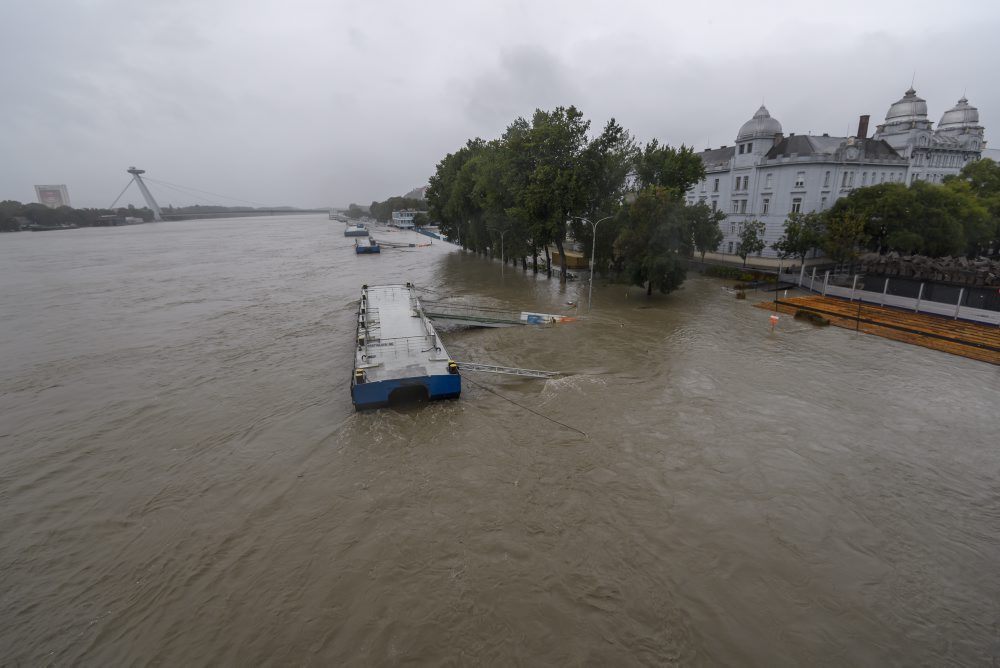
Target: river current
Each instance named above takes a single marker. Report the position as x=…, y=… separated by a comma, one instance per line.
x=184, y=480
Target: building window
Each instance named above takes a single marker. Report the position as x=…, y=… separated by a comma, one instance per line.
x=800, y=180
x=746, y=182
x=716, y=188
x=826, y=180
x=881, y=177
x=768, y=181
x=864, y=178
x=822, y=204
x=743, y=206
x=736, y=183
x=715, y=205
x=730, y=247
x=736, y=206
x=843, y=181
x=741, y=149
x=765, y=205
x=749, y=146
x=797, y=205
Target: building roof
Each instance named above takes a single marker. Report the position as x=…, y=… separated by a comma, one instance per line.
x=761, y=125
x=833, y=148
x=717, y=157
x=910, y=107
x=962, y=114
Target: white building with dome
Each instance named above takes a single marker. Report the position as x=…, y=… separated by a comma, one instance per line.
x=766, y=175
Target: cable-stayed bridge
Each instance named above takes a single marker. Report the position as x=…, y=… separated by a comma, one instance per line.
x=233, y=211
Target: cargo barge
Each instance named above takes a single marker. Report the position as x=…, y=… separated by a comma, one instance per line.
x=370, y=247
x=398, y=355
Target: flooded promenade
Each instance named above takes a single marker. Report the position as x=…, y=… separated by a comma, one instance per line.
x=184, y=480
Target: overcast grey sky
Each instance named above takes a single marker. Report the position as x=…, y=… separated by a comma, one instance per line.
x=318, y=102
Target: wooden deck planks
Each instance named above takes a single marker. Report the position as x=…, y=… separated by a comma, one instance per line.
x=958, y=337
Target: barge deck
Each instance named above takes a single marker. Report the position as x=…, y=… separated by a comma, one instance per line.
x=398, y=354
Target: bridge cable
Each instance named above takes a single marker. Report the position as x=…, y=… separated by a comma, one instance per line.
x=130, y=181
x=530, y=410
x=206, y=192
x=188, y=194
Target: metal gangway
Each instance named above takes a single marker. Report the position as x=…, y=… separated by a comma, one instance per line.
x=509, y=370
x=485, y=316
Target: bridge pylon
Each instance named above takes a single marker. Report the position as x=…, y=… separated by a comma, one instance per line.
x=145, y=192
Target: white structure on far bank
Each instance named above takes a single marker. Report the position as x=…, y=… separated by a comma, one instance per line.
x=52, y=196
x=403, y=218
x=766, y=176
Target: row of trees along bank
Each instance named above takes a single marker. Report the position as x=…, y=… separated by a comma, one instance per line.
x=524, y=188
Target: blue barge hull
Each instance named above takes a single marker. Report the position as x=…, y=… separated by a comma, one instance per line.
x=398, y=354
x=378, y=394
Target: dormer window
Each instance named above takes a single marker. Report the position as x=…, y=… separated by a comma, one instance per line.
x=749, y=147
x=741, y=149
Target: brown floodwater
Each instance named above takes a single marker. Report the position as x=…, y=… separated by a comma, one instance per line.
x=184, y=480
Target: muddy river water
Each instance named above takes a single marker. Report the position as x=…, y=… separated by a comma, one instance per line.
x=184, y=480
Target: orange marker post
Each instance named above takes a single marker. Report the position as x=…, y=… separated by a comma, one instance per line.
x=774, y=321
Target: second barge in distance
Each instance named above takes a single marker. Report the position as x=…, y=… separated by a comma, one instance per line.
x=398, y=354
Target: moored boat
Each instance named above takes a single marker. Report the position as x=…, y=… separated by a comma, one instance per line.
x=365, y=248
x=398, y=354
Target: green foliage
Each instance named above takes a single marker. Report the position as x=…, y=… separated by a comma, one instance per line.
x=845, y=233
x=980, y=181
x=655, y=240
x=803, y=233
x=959, y=217
x=547, y=177
x=751, y=239
x=735, y=273
x=705, y=231
x=664, y=166
x=354, y=212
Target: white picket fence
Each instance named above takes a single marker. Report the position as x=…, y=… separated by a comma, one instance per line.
x=824, y=285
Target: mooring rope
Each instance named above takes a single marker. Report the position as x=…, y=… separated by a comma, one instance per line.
x=530, y=410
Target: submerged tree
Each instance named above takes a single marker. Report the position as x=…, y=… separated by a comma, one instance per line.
x=751, y=239
x=705, y=231
x=803, y=234
x=655, y=240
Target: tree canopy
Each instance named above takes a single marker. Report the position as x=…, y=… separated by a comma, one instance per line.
x=550, y=176
x=960, y=217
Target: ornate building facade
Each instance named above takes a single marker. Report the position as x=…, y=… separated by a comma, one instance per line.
x=766, y=175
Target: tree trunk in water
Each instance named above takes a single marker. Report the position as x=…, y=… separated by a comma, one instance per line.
x=562, y=261
x=548, y=263
x=534, y=260
x=649, y=289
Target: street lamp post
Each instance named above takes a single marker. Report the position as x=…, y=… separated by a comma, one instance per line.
x=593, y=249
x=502, y=261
